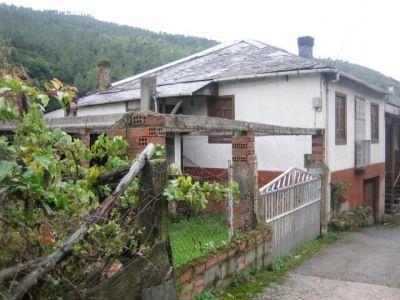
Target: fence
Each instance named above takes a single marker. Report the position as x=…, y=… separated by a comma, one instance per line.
x=291, y=205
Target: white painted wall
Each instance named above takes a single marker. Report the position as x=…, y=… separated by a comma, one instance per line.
x=279, y=101
x=276, y=101
x=342, y=156
x=103, y=109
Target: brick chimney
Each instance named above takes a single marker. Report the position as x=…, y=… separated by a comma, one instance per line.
x=305, y=44
x=104, y=74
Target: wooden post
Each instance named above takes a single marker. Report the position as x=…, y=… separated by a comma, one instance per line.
x=147, y=90
x=152, y=206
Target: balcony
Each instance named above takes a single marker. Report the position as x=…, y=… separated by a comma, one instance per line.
x=362, y=154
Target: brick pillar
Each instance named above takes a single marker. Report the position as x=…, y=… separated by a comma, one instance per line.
x=319, y=167
x=245, y=174
x=140, y=131
x=138, y=138
x=318, y=147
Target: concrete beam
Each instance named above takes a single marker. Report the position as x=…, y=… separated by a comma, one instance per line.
x=203, y=124
x=97, y=123
x=171, y=123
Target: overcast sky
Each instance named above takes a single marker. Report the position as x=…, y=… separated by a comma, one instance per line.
x=361, y=31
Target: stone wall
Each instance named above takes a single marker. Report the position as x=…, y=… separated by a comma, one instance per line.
x=252, y=250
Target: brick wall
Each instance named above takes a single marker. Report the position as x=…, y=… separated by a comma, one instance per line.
x=141, y=131
x=318, y=147
x=252, y=251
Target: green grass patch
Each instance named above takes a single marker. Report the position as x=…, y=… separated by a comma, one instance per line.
x=195, y=236
x=247, y=285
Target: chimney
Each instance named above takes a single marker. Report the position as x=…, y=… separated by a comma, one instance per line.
x=104, y=74
x=305, y=44
x=391, y=89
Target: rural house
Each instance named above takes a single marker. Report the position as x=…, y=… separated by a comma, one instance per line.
x=252, y=81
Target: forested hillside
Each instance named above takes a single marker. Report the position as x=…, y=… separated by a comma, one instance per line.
x=55, y=44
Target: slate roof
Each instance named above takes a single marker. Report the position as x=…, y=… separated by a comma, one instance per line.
x=393, y=99
x=188, y=75
x=238, y=59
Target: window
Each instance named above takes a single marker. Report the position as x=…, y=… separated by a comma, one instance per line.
x=374, y=123
x=221, y=107
x=340, y=120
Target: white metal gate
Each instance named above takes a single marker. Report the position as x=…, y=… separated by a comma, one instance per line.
x=292, y=204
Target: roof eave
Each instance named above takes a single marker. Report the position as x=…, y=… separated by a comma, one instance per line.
x=276, y=74
x=364, y=83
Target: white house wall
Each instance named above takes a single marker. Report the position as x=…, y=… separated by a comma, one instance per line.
x=277, y=101
x=112, y=108
x=343, y=156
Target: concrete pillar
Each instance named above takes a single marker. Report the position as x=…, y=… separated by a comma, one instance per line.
x=178, y=150
x=245, y=174
x=319, y=167
x=147, y=90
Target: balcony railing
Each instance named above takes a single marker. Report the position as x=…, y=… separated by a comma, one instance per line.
x=362, y=154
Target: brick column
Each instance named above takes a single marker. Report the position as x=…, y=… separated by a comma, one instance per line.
x=245, y=174
x=140, y=131
x=318, y=147
x=138, y=138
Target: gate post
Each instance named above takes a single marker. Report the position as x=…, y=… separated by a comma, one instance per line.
x=245, y=174
x=319, y=167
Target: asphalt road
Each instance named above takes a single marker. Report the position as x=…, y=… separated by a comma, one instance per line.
x=360, y=265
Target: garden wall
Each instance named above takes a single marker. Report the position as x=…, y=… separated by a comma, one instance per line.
x=252, y=250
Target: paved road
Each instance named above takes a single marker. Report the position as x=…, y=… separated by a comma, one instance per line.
x=361, y=265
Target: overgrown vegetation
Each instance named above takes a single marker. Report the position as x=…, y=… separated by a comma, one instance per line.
x=339, y=190
x=357, y=217
x=196, y=236
x=48, y=188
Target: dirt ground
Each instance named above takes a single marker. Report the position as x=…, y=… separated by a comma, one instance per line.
x=361, y=265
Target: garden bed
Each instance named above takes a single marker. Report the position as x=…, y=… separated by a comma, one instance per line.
x=195, y=236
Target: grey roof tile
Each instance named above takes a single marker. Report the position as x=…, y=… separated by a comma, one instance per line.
x=239, y=58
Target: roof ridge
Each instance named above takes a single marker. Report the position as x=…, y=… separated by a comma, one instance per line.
x=185, y=59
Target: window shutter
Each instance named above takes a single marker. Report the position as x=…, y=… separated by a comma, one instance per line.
x=374, y=123
x=340, y=120
x=360, y=119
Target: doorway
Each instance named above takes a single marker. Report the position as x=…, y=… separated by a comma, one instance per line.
x=371, y=196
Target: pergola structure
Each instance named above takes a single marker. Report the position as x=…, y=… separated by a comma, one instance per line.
x=142, y=128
